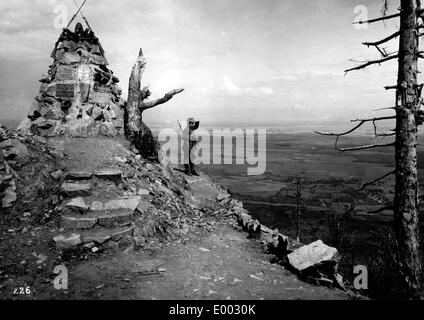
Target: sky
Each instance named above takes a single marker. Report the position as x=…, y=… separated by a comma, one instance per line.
x=254, y=62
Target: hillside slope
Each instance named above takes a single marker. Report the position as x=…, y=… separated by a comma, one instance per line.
x=127, y=228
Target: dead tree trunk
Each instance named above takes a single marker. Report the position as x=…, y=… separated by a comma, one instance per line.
x=406, y=189
x=299, y=205
x=136, y=131
x=408, y=117
x=133, y=118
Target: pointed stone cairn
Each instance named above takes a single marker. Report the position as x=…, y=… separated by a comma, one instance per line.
x=79, y=97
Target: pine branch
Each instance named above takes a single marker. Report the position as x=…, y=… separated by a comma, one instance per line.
x=388, y=108
x=383, y=51
x=361, y=123
x=391, y=87
x=386, y=207
x=338, y=135
x=378, y=19
x=369, y=63
x=377, y=43
x=377, y=180
x=374, y=119
x=386, y=134
x=371, y=146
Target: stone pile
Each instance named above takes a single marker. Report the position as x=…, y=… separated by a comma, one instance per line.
x=79, y=97
x=25, y=167
x=142, y=200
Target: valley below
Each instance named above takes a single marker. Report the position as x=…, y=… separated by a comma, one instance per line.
x=333, y=209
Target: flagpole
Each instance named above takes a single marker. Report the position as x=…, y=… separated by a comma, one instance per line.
x=75, y=15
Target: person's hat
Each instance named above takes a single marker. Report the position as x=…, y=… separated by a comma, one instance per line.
x=194, y=122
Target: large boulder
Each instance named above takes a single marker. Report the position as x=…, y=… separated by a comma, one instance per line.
x=313, y=257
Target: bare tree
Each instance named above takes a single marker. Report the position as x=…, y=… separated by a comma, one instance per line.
x=408, y=116
x=138, y=133
x=299, y=204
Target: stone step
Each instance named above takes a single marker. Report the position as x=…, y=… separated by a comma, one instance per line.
x=82, y=205
x=97, y=235
x=108, y=219
x=117, y=218
x=79, y=175
x=76, y=205
x=113, y=174
x=129, y=203
x=102, y=235
x=70, y=189
x=78, y=221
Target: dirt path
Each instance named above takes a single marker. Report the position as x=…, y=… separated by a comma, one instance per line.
x=224, y=265
x=218, y=262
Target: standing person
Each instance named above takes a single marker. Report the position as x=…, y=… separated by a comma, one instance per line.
x=189, y=141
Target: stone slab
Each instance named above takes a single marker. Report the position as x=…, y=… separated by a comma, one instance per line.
x=79, y=175
x=76, y=189
x=116, y=219
x=78, y=222
x=108, y=173
x=115, y=204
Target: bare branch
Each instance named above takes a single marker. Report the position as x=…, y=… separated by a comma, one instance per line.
x=377, y=43
x=388, y=108
x=375, y=129
x=369, y=63
x=378, y=19
x=338, y=135
x=371, y=146
x=164, y=99
x=383, y=51
x=361, y=122
x=374, y=119
x=386, y=207
x=377, y=180
x=387, y=134
x=391, y=87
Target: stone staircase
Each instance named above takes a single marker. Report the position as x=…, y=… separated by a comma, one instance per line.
x=90, y=216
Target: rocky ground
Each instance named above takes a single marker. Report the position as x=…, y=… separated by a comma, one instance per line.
x=184, y=238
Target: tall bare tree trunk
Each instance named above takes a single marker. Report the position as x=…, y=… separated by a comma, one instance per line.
x=408, y=117
x=406, y=189
x=299, y=204
x=133, y=117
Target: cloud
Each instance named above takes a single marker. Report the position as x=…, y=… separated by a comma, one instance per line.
x=232, y=55
x=266, y=91
x=21, y=16
x=230, y=88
